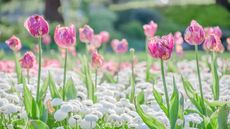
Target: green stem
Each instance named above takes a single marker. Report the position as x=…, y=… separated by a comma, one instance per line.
x=64, y=79
x=133, y=78
x=215, y=78
x=147, y=76
x=17, y=68
x=95, y=79
x=39, y=67
x=199, y=78
x=164, y=83
x=119, y=67
x=28, y=76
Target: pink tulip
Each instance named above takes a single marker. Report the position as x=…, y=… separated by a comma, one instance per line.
x=178, y=39
x=14, y=43
x=104, y=36
x=213, y=43
x=150, y=29
x=28, y=61
x=161, y=48
x=194, y=34
x=37, y=26
x=97, y=59
x=96, y=41
x=65, y=37
x=119, y=46
x=213, y=30
x=228, y=43
x=46, y=39
x=86, y=34
x=179, y=50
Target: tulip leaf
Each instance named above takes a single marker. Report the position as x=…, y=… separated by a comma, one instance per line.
x=193, y=96
x=71, y=92
x=174, y=106
x=159, y=99
x=53, y=89
x=141, y=97
x=223, y=117
x=43, y=89
x=35, y=110
x=215, y=78
x=150, y=121
x=27, y=98
x=37, y=124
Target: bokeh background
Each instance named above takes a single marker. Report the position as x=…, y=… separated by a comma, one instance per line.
x=122, y=18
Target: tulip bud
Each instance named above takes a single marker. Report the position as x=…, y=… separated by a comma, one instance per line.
x=37, y=26
x=28, y=61
x=14, y=43
x=86, y=34
x=46, y=39
x=194, y=34
x=65, y=37
x=150, y=29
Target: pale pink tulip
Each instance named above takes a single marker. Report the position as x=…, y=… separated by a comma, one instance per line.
x=150, y=29
x=14, y=43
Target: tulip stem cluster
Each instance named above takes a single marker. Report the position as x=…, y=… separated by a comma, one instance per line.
x=199, y=78
x=164, y=83
x=39, y=66
x=64, y=78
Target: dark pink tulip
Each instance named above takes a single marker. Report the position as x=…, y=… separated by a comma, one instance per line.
x=14, y=43
x=46, y=39
x=65, y=37
x=213, y=43
x=37, y=26
x=96, y=41
x=178, y=39
x=86, y=34
x=104, y=36
x=150, y=29
x=97, y=59
x=213, y=30
x=161, y=48
x=119, y=46
x=194, y=34
x=28, y=61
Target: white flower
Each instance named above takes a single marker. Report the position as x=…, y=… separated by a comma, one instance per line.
x=9, y=108
x=59, y=115
x=133, y=125
x=56, y=102
x=72, y=122
x=143, y=126
x=91, y=117
x=66, y=108
x=87, y=125
x=4, y=86
x=60, y=127
x=81, y=96
x=3, y=101
x=114, y=118
x=125, y=117
x=19, y=88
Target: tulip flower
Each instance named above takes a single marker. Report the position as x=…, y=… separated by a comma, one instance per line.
x=119, y=47
x=179, y=50
x=213, y=43
x=28, y=61
x=14, y=44
x=37, y=26
x=104, y=39
x=86, y=34
x=178, y=38
x=46, y=39
x=96, y=41
x=213, y=30
x=194, y=35
x=97, y=62
x=162, y=48
x=150, y=29
x=65, y=37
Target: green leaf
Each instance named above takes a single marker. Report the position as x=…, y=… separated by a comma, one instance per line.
x=43, y=89
x=53, y=89
x=71, y=92
x=215, y=78
x=18, y=69
x=159, y=100
x=37, y=124
x=35, y=110
x=223, y=117
x=141, y=97
x=174, y=106
x=27, y=99
x=193, y=96
x=151, y=122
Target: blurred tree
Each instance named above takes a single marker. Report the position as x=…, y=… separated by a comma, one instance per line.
x=51, y=10
x=224, y=3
